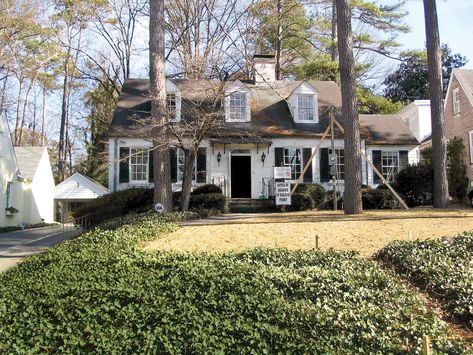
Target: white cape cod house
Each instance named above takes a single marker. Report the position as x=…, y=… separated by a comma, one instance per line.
x=282, y=121
x=26, y=182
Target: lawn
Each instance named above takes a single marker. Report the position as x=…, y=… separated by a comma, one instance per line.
x=366, y=233
x=101, y=292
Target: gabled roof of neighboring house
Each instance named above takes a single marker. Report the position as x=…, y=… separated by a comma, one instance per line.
x=28, y=160
x=270, y=114
x=387, y=129
x=79, y=187
x=465, y=78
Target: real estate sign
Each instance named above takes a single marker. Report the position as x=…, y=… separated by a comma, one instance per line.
x=282, y=173
x=283, y=193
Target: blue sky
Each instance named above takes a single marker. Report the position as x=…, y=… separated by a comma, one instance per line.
x=455, y=24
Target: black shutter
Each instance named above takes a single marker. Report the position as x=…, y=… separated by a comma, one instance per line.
x=403, y=159
x=201, y=165
x=377, y=165
x=150, y=166
x=324, y=166
x=124, y=170
x=306, y=155
x=278, y=157
x=173, y=154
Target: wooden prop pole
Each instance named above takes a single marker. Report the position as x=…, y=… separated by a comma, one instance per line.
x=377, y=172
x=310, y=160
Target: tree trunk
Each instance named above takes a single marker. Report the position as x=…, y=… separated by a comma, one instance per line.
x=189, y=169
x=62, y=128
x=162, y=163
x=439, y=144
x=278, y=42
x=43, y=116
x=333, y=49
x=352, y=196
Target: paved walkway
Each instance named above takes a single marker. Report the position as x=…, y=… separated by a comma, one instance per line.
x=14, y=246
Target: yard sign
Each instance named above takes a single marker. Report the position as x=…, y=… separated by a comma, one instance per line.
x=281, y=187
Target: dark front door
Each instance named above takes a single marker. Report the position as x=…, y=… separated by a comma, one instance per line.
x=241, y=176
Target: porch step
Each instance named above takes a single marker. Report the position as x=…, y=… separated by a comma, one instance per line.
x=239, y=205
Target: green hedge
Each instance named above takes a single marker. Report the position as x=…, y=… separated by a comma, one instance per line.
x=380, y=198
x=315, y=191
x=442, y=267
x=116, y=204
x=211, y=201
x=100, y=293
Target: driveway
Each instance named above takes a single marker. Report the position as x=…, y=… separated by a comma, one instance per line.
x=14, y=246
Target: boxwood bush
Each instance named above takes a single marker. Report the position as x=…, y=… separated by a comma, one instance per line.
x=442, y=267
x=315, y=191
x=380, y=198
x=211, y=201
x=300, y=202
x=101, y=293
x=207, y=189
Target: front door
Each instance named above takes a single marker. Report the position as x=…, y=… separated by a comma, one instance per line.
x=241, y=176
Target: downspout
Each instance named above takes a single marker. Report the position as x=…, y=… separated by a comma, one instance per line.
x=115, y=162
x=366, y=165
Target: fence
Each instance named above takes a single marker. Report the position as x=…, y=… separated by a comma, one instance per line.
x=267, y=187
x=73, y=227
x=221, y=181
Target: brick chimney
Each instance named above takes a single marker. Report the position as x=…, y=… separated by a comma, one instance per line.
x=264, y=68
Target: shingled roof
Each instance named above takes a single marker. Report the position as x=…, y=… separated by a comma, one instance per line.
x=270, y=114
x=28, y=160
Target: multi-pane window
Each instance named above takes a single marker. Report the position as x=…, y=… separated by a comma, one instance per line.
x=339, y=162
x=237, y=106
x=293, y=158
x=390, y=165
x=138, y=164
x=456, y=101
x=171, y=106
x=306, y=107
x=180, y=166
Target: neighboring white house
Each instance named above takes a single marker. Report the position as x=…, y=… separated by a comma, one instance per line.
x=268, y=123
x=26, y=181
x=416, y=116
x=74, y=191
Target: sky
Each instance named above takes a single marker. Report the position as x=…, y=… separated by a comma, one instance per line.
x=455, y=25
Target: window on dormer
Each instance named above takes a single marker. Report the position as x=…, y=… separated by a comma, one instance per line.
x=305, y=107
x=171, y=106
x=237, y=106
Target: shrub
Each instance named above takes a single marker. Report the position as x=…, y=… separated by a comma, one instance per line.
x=415, y=183
x=301, y=202
x=176, y=199
x=213, y=201
x=442, y=267
x=116, y=204
x=315, y=191
x=328, y=204
x=457, y=169
x=207, y=189
x=101, y=293
x=374, y=199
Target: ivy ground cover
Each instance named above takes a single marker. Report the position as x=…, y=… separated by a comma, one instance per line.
x=443, y=267
x=102, y=293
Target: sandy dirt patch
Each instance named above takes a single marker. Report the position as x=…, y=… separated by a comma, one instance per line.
x=365, y=233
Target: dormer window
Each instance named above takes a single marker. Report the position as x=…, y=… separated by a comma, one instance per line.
x=171, y=106
x=237, y=106
x=237, y=103
x=305, y=107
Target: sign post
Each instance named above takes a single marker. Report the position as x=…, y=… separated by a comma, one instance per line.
x=281, y=186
